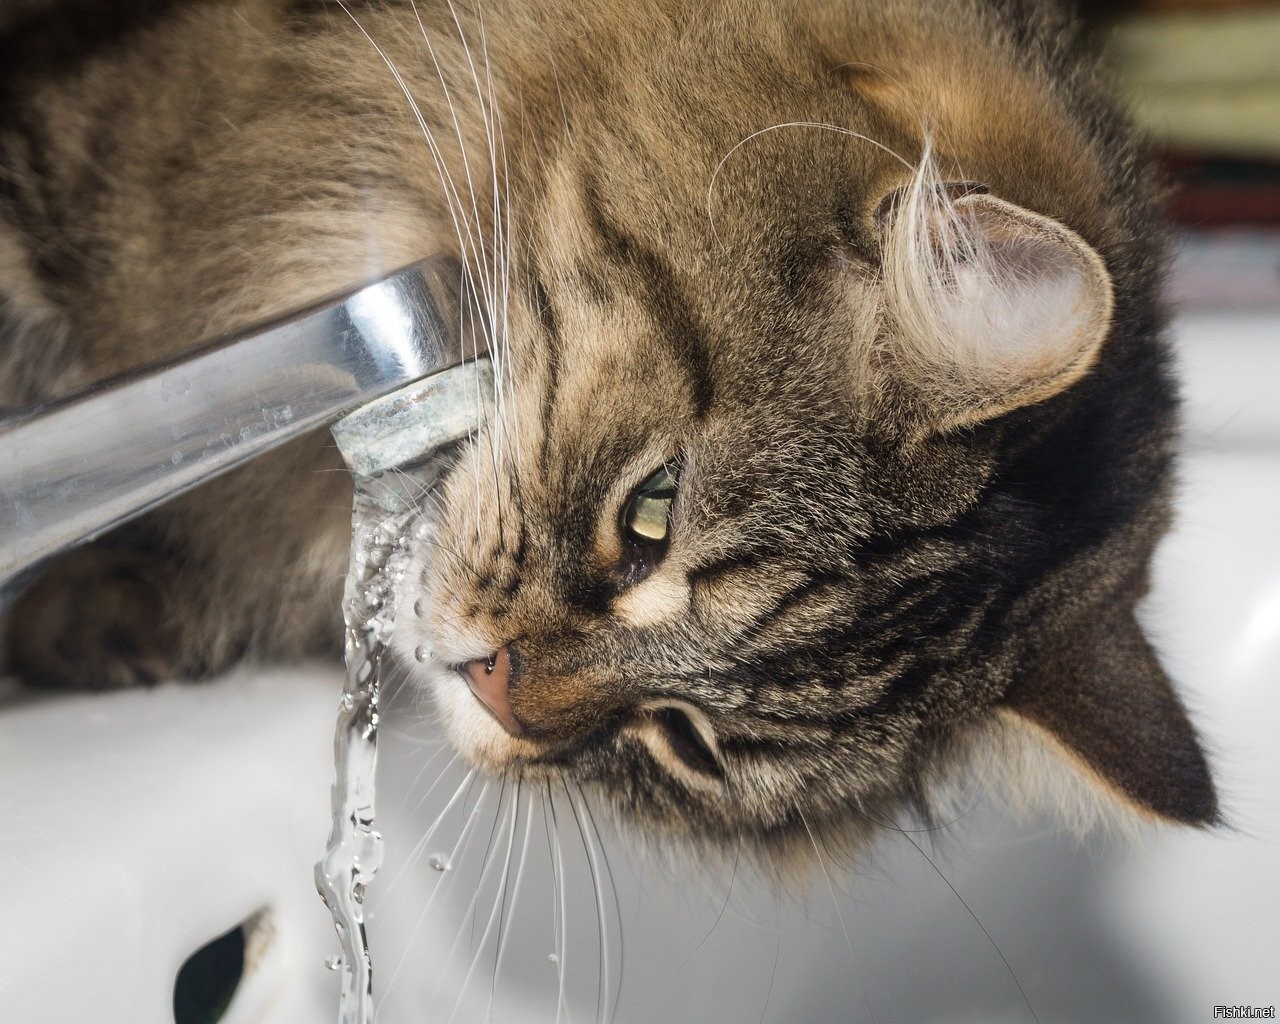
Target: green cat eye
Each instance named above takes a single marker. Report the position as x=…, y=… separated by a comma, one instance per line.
x=647, y=517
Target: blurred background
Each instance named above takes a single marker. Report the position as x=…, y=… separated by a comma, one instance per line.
x=1203, y=78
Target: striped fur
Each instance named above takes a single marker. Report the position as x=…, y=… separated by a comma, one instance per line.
x=924, y=433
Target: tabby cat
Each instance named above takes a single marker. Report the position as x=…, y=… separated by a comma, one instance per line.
x=836, y=424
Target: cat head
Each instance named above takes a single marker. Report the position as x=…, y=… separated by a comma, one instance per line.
x=811, y=459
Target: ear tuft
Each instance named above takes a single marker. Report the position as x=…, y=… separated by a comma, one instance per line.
x=995, y=307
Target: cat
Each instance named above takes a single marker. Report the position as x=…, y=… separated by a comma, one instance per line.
x=836, y=425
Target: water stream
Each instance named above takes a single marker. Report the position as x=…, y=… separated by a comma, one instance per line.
x=379, y=551
x=397, y=449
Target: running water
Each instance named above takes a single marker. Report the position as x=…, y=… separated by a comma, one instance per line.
x=379, y=551
x=376, y=441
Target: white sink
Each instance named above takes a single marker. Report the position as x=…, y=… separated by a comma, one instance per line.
x=140, y=825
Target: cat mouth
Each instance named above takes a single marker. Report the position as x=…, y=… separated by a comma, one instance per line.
x=686, y=734
x=685, y=731
x=678, y=734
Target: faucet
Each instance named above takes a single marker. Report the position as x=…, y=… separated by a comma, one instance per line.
x=74, y=469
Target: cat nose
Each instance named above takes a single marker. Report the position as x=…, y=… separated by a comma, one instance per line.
x=490, y=679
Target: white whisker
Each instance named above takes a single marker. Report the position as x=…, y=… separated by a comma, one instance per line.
x=421, y=845
x=482, y=258
x=617, y=906
x=791, y=124
x=486, y=862
x=467, y=830
x=495, y=915
x=559, y=913
x=504, y=932
x=470, y=246
x=839, y=916
x=602, y=993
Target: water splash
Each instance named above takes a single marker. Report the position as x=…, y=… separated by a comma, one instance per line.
x=397, y=448
x=379, y=554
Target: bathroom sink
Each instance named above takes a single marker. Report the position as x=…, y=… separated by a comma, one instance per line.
x=141, y=826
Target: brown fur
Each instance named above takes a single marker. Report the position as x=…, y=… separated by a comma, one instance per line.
x=873, y=546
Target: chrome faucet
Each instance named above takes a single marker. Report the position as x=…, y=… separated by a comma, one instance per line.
x=75, y=469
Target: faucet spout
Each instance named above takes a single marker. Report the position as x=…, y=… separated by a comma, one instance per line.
x=75, y=469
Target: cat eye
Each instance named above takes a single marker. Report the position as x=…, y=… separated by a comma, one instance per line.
x=648, y=513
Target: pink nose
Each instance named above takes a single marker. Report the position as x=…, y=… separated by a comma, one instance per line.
x=490, y=680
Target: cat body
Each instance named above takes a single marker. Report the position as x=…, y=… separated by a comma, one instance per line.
x=868, y=289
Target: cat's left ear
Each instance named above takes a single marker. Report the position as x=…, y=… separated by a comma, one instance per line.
x=1102, y=701
x=991, y=306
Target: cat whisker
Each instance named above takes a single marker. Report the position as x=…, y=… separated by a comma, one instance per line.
x=468, y=830
x=907, y=834
x=737, y=854
x=479, y=246
x=502, y=234
x=821, y=125
x=773, y=975
x=506, y=375
x=835, y=903
x=446, y=178
x=404, y=802
x=448, y=97
x=428, y=504
x=488, y=111
x=558, y=893
x=486, y=863
x=394, y=684
x=617, y=904
x=504, y=931
x=602, y=934
x=471, y=243
x=513, y=813
x=494, y=263
x=463, y=787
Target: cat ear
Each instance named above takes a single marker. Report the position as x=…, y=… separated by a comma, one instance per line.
x=993, y=307
x=1103, y=701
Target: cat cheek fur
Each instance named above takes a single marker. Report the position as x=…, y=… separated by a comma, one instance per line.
x=927, y=460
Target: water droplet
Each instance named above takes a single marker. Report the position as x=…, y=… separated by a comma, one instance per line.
x=420, y=607
x=333, y=963
x=421, y=652
x=552, y=958
x=423, y=530
x=354, y=851
x=438, y=862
